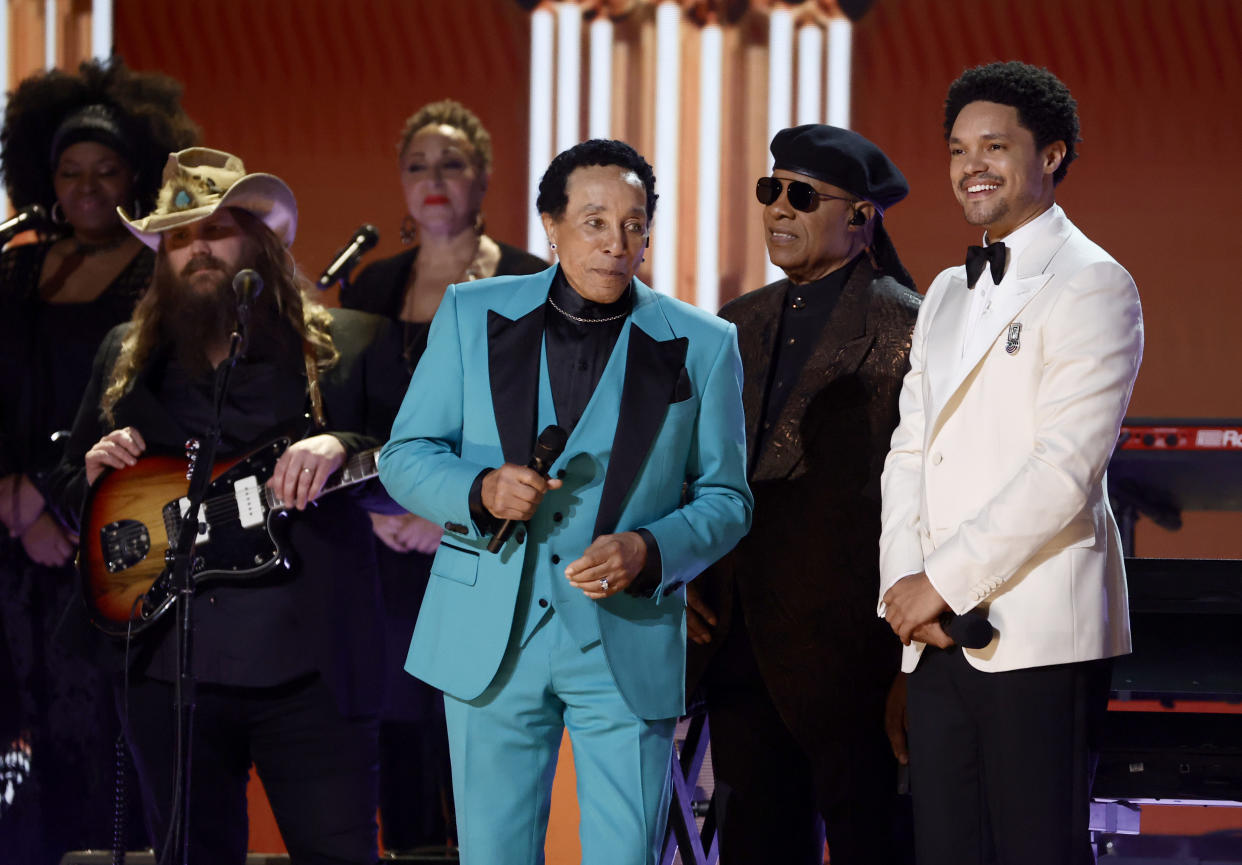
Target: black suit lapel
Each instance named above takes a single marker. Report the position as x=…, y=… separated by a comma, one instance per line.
x=513, y=359
x=652, y=368
x=840, y=349
x=756, y=338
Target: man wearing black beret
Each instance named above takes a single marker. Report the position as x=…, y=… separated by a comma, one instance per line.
x=796, y=672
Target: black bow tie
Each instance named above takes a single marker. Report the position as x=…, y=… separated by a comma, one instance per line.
x=977, y=256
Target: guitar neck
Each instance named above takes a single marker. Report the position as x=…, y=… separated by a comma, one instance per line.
x=360, y=467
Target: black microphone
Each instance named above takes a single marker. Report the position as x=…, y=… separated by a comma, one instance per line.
x=247, y=286
x=550, y=445
x=24, y=220
x=364, y=238
x=970, y=630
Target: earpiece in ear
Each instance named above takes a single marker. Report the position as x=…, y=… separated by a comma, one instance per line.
x=859, y=218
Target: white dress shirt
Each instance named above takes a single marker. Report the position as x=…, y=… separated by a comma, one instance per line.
x=985, y=289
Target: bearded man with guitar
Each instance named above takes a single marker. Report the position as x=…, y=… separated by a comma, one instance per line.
x=287, y=643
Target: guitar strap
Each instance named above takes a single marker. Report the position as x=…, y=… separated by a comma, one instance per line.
x=312, y=385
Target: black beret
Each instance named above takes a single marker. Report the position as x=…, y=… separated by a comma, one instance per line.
x=843, y=158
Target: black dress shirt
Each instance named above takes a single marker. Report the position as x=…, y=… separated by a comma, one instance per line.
x=578, y=350
x=803, y=318
x=261, y=614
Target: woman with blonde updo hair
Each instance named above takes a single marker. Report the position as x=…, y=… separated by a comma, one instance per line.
x=445, y=161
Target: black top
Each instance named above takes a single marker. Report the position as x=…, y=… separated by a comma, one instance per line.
x=577, y=350
x=380, y=288
x=804, y=315
x=46, y=351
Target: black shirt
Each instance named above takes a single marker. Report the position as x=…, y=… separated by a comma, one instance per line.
x=804, y=316
x=246, y=624
x=580, y=335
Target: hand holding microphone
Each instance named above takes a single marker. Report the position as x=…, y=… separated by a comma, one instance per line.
x=513, y=493
x=970, y=630
x=912, y=606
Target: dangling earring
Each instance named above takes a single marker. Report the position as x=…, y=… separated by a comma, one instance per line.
x=137, y=212
x=409, y=230
x=58, y=213
x=480, y=227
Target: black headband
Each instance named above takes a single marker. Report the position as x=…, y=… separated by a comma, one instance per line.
x=99, y=123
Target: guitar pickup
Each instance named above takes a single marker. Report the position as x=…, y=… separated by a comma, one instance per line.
x=249, y=496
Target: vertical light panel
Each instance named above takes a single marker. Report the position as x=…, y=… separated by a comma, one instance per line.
x=101, y=29
x=780, y=92
x=707, y=259
x=840, y=49
x=780, y=71
x=541, y=34
x=667, y=140
x=810, y=55
x=50, y=20
x=599, y=113
x=568, y=74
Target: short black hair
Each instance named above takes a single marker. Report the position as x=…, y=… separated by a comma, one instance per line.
x=1045, y=106
x=552, y=199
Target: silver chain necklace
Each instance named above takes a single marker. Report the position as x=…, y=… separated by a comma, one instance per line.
x=580, y=320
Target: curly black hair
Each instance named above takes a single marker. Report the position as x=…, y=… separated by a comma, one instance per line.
x=147, y=104
x=552, y=198
x=1044, y=104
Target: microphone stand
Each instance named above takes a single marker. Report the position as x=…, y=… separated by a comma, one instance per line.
x=202, y=462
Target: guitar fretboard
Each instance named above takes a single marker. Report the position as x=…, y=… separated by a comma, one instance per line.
x=360, y=467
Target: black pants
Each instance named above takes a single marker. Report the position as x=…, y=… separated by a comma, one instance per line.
x=416, y=786
x=1000, y=763
x=776, y=799
x=319, y=769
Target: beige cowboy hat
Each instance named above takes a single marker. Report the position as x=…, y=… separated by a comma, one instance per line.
x=199, y=180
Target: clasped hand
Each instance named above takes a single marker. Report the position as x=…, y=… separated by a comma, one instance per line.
x=912, y=608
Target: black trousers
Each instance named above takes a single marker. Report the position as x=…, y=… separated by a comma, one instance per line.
x=776, y=800
x=1000, y=763
x=318, y=768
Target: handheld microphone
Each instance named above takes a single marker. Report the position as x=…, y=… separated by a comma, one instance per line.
x=550, y=445
x=338, y=271
x=970, y=630
x=24, y=220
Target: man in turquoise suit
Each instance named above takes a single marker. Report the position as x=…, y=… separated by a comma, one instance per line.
x=578, y=621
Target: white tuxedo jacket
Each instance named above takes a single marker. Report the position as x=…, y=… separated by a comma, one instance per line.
x=995, y=481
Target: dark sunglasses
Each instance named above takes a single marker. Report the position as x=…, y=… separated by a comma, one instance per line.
x=802, y=196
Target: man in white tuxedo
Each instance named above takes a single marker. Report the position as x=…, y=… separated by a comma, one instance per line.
x=994, y=499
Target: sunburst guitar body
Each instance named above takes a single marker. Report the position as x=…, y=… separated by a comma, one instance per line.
x=133, y=516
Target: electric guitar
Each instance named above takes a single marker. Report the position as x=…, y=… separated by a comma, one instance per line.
x=133, y=515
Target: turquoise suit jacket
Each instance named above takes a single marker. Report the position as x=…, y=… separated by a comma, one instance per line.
x=661, y=446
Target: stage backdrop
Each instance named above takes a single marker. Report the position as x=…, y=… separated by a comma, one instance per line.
x=316, y=90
